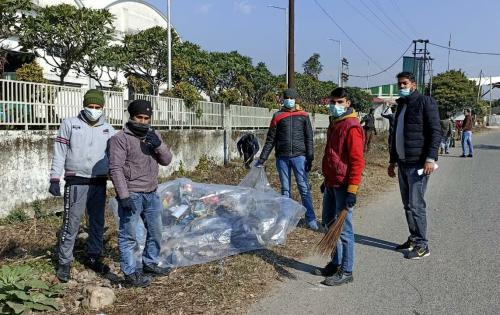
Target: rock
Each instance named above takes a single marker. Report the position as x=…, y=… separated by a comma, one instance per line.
x=83, y=236
x=86, y=276
x=72, y=284
x=96, y=298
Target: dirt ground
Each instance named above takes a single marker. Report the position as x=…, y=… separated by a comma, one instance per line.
x=221, y=287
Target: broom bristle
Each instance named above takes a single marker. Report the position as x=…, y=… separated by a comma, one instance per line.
x=329, y=242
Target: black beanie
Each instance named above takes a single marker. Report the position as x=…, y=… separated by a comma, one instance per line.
x=140, y=107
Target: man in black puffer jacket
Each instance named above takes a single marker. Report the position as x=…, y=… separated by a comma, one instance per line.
x=415, y=143
x=292, y=137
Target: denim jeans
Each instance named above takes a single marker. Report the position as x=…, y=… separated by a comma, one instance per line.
x=467, y=143
x=333, y=203
x=445, y=143
x=147, y=206
x=412, y=187
x=285, y=166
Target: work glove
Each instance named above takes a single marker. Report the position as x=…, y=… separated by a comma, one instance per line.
x=260, y=163
x=55, y=189
x=309, y=164
x=350, y=200
x=322, y=187
x=126, y=204
x=153, y=139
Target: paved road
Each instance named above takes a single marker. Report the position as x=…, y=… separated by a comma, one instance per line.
x=462, y=274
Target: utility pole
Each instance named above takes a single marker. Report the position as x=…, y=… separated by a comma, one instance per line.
x=449, y=46
x=414, y=57
x=169, y=39
x=345, y=71
x=340, y=58
x=425, y=59
x=491, y=100
x=291, y=44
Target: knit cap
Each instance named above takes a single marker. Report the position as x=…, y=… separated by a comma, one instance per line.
x=93, y=96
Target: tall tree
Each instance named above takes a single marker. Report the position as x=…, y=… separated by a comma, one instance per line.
x=64, y=35
x=313, y=66
x=453, y=91
x=360, y=99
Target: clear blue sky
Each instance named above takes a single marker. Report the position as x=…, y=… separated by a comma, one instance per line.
x=255, y=30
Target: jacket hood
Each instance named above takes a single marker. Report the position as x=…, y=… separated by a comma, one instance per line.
x=351, y=114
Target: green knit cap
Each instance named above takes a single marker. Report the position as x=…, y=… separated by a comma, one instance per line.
x=93, y=97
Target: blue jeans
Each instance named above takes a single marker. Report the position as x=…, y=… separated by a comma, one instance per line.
x=285, y=166
x=467, y=142
x=412, y=187
x=445, y=144
x=147, y=206
x=333, y=203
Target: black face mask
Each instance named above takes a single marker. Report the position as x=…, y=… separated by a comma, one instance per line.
x=138, y=129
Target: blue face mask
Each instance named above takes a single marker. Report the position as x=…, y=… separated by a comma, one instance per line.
x=404, y=92
x=92, y=113
x=336, y=110
x=289, y=103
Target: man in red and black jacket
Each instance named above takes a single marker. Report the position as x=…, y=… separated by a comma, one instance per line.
x=291, y=135
x=343, y=164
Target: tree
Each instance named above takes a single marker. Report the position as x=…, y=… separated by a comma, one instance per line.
x=263, y=83
x=64, y=35
x=31, y=72
x=453, y=91
x=360, y=99
x=312, y=91
x=313, y=66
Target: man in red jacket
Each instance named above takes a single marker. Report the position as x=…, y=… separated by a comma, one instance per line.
x=343, y=164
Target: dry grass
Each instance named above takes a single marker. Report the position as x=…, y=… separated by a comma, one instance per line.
x=221, y=287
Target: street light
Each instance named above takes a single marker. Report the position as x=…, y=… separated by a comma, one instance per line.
x=286, y=30
x=169, y=46
x=340, y=56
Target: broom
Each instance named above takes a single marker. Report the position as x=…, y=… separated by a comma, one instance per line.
x=329, y=242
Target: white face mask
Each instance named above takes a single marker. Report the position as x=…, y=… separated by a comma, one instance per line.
x=93, y=114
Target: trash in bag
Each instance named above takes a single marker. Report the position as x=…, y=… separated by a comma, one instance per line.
x=206, y=222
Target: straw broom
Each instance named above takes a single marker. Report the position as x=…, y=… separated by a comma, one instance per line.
x=329, y=242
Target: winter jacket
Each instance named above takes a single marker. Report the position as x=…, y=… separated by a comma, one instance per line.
x=80, y=149
x=446, y=127
x=133, y=164
x=248, y=144
x=422, y=130
x=467, y=124
x=369, y=123
x=343, y=161
x=290, y=134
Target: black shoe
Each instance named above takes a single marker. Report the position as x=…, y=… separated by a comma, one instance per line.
x=463, y=155
x=96, y=265
x=156, y=271
x=408, y=245
x=338, y=278
x=470, y=155
x=137, y=279
x=418, y=252
x=63, y=273
x=329, y=270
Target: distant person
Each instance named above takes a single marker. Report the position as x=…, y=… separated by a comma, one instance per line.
x=343, y=164
x=458, y=128
x=453, y=133
x=248, y=146
x=467, y=135
x=291, y=135
x=134, y=155
x=388, y=114
x=415, y=145
x=446, y=129
x=80, y=150
x=369, y=128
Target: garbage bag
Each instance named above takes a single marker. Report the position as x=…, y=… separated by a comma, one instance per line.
x=206, y=222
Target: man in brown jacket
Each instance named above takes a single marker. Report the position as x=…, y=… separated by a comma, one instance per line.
x=134, y=155
x=467, y=135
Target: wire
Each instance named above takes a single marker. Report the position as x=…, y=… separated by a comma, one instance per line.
x=380, y=20
x=381, y=9
x=386, y=69
x=466, y=51
x=347, y=35
x=403, y=17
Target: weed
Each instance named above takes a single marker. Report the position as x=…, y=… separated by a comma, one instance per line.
x=182, y=171
x=17, y=215
x=205, y=164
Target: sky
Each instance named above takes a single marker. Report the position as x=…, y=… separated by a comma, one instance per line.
x=383, y=29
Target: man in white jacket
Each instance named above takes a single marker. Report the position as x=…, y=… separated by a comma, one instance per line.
x=80, y=150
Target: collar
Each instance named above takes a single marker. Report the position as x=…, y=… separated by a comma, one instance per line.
x=352, y=114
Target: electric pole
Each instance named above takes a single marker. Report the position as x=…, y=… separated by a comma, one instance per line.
x=449, y=46
x=291, y=44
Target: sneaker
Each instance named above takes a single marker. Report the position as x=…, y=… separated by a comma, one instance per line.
x=313, y=225
x=418, y=252
x=137, y=280
x=338, y=278
x=447, y=152
x=156, y=270
x=470, y=155
x=329, y=270
x=463, y=155
x=63, y=273
x=408, y=245
x=96, y=265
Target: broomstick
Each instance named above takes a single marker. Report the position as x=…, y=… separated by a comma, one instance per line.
x=329, y=242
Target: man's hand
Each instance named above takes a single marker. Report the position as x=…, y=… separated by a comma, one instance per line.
x=428, y=168
x=126, y=204
x=308, y=165
x=153, y=139
x=260, y=163
x=350, y=200
x=391, y=170
x=55, y=189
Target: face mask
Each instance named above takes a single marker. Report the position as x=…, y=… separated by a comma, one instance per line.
x=404, y=92
x=138, y=129
x=289, y=103
x=336, y=110
x=93, y=114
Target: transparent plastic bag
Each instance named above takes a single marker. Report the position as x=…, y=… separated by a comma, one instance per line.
x=206, y=222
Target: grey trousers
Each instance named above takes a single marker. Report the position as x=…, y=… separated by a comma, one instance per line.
x=77, y=199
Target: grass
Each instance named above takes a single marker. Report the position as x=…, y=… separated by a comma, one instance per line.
x=221, y=287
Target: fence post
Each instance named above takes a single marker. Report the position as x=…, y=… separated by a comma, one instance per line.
x=226, y=125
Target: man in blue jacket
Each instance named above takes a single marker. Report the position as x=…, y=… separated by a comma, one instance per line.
x=248, y=146
x=415, y=144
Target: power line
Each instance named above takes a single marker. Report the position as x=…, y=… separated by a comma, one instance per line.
x=346, y=35
x=381, y=9
x=466, y=51
x=407, y=21
x=386, y=69
x=380, y=20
